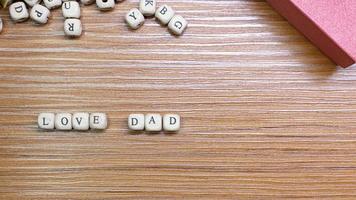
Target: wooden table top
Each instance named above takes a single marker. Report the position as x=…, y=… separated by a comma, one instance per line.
x=265, y=114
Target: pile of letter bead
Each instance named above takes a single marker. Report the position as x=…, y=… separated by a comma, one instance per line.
x=154, y=122
x=80, y=121
x=39, y=12
x=135, y=18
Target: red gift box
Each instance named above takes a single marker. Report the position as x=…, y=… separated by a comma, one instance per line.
x=329, y=24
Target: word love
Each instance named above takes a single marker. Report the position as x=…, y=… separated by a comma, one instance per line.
x=154, y=122
x=80, y=121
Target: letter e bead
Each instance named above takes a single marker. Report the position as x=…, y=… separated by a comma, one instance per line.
x=153, y=122
x=18, y=12
x=171, y=122
x=73, y=27
x=177, y=25
x=98, y=121
x=134, y=18
x=39, y=14
x=136, y=122
x=63, y=121
x=46, y=121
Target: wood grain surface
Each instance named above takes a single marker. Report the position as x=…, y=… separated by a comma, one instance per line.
x=265, y=114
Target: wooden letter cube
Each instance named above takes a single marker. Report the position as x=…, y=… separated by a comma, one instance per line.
x=51, y=4
x=73, y=27
x=46, y=121
x=136, y=122
x=177, y=25
x=164, y=14
x=39, y=14
x=98, y=121
x=105, y=4
x=63, y=121
x=148, y=7
x=71, y=9
x=80, y=121
x=87, y=2
x=171, y=122
x=31, y=3
x=18, y=12
x=153, y=122
x=134, y=18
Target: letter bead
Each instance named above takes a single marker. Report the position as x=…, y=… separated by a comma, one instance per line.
x=63, y=121
x=73, y=27
x=171, y=122
x=39, y=14
x=134, y=18
x=136, y=122
x=46, y=121
x=51, y=4
x=87, y=2
x=71, y=9
x=1, y=25
x=18, y=12
x=148, y=7
x=31, y=3
x=177, y=25
x=164, y=14
x=105, y=4
x=153, y=122
x=80, y=121
x=98, y=121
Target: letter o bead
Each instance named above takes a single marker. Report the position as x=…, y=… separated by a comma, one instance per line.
x=63, y=121
x=136, y=122
x=134, y=18
x=177, y=25
x=39, y=14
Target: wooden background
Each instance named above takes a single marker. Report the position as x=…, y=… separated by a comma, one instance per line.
x=265, y=114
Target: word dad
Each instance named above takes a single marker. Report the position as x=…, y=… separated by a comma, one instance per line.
x=154, y=122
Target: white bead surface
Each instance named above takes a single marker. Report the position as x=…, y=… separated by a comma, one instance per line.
x=177, y=25
x=1, y=25
x=105, y=4
x=63, y=121
x=87, y=2
x=71, y=9
x=98, y=121
x=164, y=14
x=134, y=18
x=148, y=7
x=73, y=27
x=136, y=122
x=46, y=121
x=32, y=2
x=18, y=12
x=51, y=4
x=80, y=121
x=153, y=122
x=39, y=14
x=171, y=122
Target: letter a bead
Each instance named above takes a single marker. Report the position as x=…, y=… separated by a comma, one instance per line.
x=39, y=14
x=153, y=122
x=136, y=122
x=134, y=18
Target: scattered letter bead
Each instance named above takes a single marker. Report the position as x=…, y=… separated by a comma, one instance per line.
x=136, y=122
x=134, y=18
x=71, y=9
x=153, y=122
x=177, y=25
x=80, y=121
x=46, y=121
x=63, y=121
x=18, y=12
x=171, y=122
x=73, y=27
x=39, y=14
x=148, y=7
x=51, y=4
x=87, y=2
x=98, y=121
x=105, y=4
x=32, y=2
x=1, y=25
x=164, y=14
